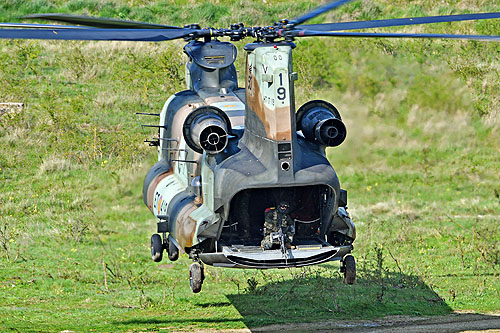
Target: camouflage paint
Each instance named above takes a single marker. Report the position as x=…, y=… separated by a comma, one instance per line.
x=269, y=88
x=151, y=189
x=191, y=218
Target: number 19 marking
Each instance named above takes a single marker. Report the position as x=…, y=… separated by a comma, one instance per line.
x=281, y=90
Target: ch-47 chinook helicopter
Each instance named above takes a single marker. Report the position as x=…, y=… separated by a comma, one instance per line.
x=227, y=155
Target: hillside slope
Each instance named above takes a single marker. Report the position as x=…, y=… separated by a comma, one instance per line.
x=421, y=165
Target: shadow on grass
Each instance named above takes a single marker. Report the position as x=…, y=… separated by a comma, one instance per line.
x=313, y=295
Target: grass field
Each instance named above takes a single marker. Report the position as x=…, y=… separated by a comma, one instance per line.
x=421, y=164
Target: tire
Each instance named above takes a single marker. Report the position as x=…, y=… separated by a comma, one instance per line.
x=156, y=248
x=173, y=251
x=350, y=269
x=196, y=277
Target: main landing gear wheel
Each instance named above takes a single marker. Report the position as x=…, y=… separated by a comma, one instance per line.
x=349, y=269
x=156, y=248
x=196, y=277
x=173, y=251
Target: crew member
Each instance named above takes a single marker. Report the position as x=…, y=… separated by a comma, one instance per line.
x=274, y=220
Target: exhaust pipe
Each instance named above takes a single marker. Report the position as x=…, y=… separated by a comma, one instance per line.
x=206, y=129
x=320, y=122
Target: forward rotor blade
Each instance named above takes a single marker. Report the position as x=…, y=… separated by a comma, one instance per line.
x=318, y=11
x=39, y=26
x=139, y=35
x=310, y=33
x=98, y=22
x=397, y=22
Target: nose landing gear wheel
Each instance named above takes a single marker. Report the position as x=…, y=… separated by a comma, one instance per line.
x=349, y=269
x=156, y=248
x=196, y=277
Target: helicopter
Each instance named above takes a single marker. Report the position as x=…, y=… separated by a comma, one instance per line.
x=242, y=179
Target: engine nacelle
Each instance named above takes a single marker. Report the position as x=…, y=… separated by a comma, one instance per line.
x=207, y=128
x=320, y=122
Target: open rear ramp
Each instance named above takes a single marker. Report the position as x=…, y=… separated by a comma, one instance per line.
x=239, y=256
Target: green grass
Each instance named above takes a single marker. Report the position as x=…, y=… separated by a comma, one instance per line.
x=421, y=165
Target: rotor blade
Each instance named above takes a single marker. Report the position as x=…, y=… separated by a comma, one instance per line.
x=310, y=33
x=142, y=35
x=397, y=22
x=39, y=26
x=318, y=11
x=98, y=22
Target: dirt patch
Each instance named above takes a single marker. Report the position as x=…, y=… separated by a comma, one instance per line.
x=457, y=322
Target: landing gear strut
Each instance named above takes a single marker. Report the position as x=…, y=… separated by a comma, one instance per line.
x=196, y=276
x=348, y=267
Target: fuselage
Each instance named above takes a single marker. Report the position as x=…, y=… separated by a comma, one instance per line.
x=265, y=160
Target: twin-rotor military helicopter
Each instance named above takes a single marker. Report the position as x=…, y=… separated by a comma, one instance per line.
x=242, y=179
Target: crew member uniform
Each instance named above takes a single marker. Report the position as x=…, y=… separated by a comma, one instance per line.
x=274, y=219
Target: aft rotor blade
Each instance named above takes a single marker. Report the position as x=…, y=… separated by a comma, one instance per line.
x=139, y=35
x=39, y=26
x=310, y=33
x=318, y=11
x=397, y=22
x=98, y=22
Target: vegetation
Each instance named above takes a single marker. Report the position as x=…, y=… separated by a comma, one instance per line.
x=420, y=164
